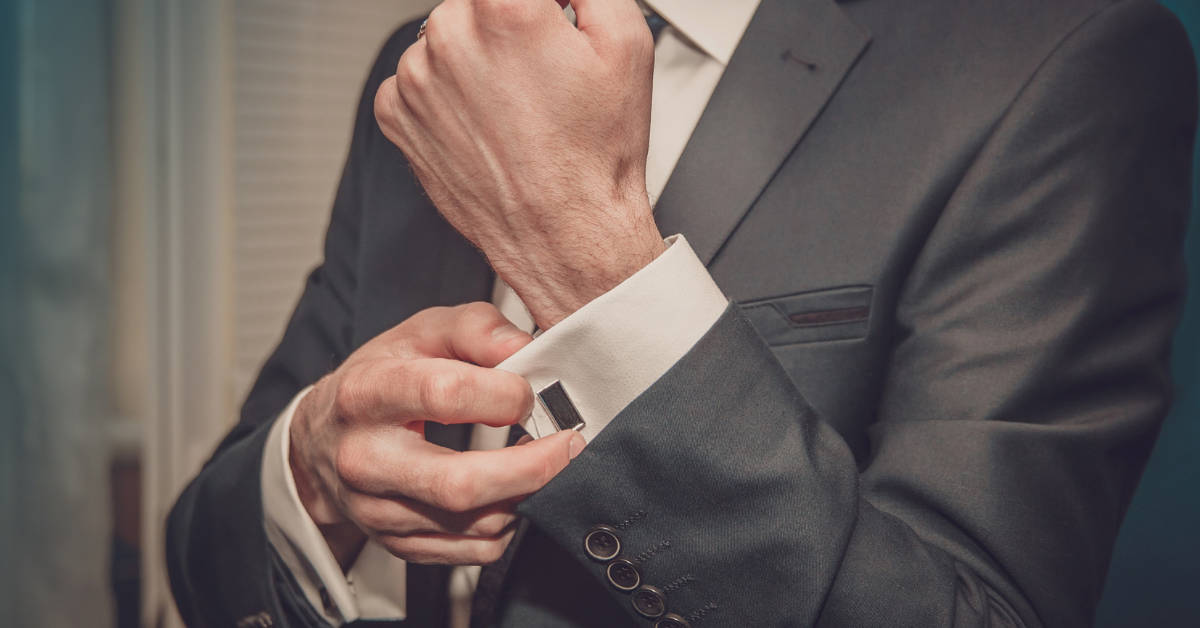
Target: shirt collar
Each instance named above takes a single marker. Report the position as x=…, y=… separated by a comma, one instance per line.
x=715, y=26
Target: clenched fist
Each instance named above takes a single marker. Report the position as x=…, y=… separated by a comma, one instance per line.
x=530, y=136
x=364, y=469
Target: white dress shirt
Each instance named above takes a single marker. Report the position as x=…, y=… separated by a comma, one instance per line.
x=606, y=354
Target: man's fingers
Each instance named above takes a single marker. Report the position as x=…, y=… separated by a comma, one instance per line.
x=401, y=516
x=447, y=549
x=479, y=478
x=458, y=482
x=476, y=332
x=432, y=389
x=392, y=112
x=494, y=18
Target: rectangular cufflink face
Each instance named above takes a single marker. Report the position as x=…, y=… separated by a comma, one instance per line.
x=554, y=398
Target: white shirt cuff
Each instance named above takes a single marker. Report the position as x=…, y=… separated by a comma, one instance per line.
x=375, y=586
x=611, y=350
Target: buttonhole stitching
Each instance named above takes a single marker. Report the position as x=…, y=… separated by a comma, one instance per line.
x=651, y=553
x=696, y=615
x=632, y=519
x=678, y=584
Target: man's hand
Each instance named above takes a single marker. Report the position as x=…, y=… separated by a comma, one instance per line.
x=363, y=467
x=530, y=136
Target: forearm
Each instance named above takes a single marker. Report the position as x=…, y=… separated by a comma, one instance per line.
x=734, y=484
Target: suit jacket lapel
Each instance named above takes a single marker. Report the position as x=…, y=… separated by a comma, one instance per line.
x=788, y=64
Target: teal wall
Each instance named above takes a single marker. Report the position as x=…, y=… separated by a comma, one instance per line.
x=1154, y=580
x=55, y=202
x=8, y=245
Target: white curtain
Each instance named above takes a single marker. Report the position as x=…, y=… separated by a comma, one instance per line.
x=54, y=493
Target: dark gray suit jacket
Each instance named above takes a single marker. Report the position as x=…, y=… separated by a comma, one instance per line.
x=952, y=231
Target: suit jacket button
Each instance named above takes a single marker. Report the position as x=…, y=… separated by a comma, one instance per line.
x=671, y=620
x=602, y=544
x=623, y=575
x=649, y=602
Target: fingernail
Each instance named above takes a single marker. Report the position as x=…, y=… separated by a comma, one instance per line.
x=504, y=333
x=577, y=445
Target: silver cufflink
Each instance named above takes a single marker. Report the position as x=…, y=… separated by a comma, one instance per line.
x=558, y=405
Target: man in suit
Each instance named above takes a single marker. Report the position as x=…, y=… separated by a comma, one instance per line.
x=951, y=235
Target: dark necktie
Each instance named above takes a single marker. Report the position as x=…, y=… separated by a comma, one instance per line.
x=491, y=577
x=656, y=24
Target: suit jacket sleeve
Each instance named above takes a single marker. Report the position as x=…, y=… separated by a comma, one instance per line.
x=1027, y=383
x=222, y=568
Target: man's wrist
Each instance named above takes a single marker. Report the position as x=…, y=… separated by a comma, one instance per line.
x=556, y=278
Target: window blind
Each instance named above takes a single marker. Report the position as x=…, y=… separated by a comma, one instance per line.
x=299, y=67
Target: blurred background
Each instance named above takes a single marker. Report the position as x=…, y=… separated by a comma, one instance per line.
x=166, y=173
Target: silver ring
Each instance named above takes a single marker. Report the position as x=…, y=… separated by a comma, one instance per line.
x=421, y=31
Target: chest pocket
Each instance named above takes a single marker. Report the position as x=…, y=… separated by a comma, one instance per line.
x=834, y=314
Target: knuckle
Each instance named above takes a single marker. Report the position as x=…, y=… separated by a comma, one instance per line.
x=441, y=393
x=351, y=398
x=384, y=99
x=520, y=395
x=436, y=17
x=509, y=397
x=350, y=464
x=473, y=318
x=478, y=312
x=372, y=517
x=492, y=525
x=442, y=18
x=409, y=77
x=381, y=516
x=455, y=492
